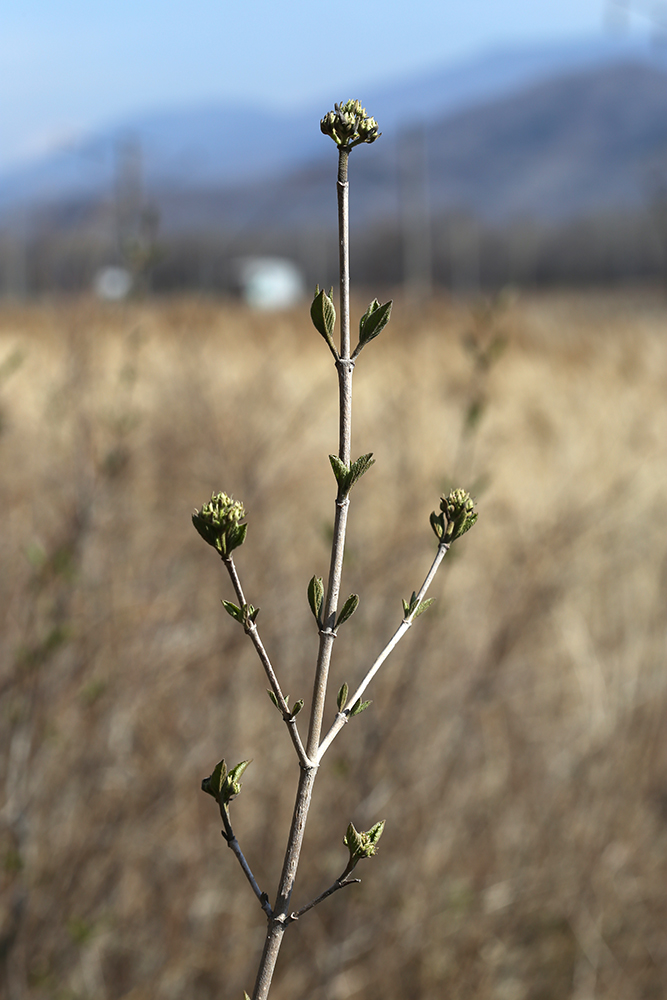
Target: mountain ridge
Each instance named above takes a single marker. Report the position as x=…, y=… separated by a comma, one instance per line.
x=213, y=144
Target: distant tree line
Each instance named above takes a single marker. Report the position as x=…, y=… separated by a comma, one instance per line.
x=464, y=255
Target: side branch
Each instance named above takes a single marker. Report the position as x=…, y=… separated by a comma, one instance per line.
x=233, y=843
x=340, y=883
x=343, y=717
x=253, y=632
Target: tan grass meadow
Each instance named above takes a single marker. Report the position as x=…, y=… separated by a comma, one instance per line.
x=517, y=740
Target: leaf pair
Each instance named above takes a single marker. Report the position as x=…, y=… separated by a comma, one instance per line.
x=323, y=315
x=414, y=608
x=316, y=600
x=348, y=475
x=358, y=707
x=297, y=707
x=247, y=615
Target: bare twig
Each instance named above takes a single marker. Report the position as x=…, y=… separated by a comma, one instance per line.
x=343, y=717
x=340, y=883
x=253, y=632
x=233, y=843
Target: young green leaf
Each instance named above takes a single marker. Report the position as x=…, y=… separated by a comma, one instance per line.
x=438, y=525
x=348, y=609
x=373, y=307
x=376, y=832
x=341, y=698
x=231, y=609
x=316, y=597
x=215, y=781
x=297, y=708
x=353, y=841
x=424, y=606
x=359, y=707
x=340, y=470
x=323, y=315
x=358, y=468
x=273, y=698
x=372, y=323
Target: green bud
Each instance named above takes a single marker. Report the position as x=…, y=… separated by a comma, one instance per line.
x=341, y=698
x=359, y=707
x=219, y=523
x=363, y=844
x=327, y=123
x=231, y=786
x=223, y=785
x=458, y=511
x=349, y=125
x=368, y=130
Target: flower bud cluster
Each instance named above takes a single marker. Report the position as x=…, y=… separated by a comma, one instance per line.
x=348, y=125
x=457, y=515
x=219, y=523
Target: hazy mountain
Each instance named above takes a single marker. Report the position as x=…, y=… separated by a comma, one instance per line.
x=214, y=145
x=572, y=145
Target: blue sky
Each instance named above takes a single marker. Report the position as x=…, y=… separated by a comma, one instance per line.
x=69, y=66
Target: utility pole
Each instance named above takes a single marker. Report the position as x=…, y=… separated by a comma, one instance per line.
x=415, y=214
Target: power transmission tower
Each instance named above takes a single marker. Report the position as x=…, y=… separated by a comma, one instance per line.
x=618, y=15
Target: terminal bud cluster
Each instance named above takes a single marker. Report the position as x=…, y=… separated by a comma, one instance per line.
x=349, y=125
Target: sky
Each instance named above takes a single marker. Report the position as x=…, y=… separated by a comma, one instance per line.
x=71, y=66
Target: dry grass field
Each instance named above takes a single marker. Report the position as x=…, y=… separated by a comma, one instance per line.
x=517, y=741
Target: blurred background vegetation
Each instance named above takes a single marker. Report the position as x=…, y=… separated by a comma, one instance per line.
x=516, y=743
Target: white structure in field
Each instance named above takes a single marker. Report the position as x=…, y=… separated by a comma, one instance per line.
x=112, y=283
x=270, y=282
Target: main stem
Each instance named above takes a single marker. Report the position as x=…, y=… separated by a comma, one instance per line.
x=345, y=368
x=280, y=919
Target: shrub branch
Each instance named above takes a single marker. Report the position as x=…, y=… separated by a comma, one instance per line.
x=253, y=632
x=221, y=524
x=344, y=716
